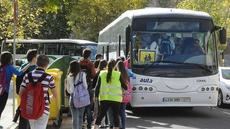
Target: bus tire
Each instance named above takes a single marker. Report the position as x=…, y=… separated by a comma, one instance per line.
x=220, y=99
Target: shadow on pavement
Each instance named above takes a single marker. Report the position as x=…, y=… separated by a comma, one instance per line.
x=197, y=118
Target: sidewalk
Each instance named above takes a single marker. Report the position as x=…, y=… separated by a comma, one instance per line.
x=7, y=115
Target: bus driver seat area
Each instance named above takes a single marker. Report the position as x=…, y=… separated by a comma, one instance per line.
x=191, y=47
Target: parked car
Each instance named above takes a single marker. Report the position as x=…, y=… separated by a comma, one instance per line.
x=224, y=90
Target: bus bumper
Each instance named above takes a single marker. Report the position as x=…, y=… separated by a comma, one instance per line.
x=160, y=99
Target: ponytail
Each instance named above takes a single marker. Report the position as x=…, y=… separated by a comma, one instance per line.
x=110, y=69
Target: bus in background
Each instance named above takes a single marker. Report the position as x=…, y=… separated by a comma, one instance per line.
x=173, y=55
x=55, y=48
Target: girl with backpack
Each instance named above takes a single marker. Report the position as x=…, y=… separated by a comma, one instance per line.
x=6, y=72
x=126, y=93
x=109, y=93
x=74, y=76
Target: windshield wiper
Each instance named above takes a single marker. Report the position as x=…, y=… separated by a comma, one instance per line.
x=202, y=66
x=158, y=62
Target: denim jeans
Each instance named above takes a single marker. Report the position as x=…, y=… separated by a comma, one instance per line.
x=77, y=116
x=89, y=115
x=122, y=115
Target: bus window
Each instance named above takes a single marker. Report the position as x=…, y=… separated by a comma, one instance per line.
x=67, y=49
x=23, y=48
x=51, y=49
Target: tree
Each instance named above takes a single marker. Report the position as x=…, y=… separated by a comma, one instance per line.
x=28, y=21
x=35, y=16
x=55, y=24
x=88, y=17
x=218, y=9
x=164, y=3
x=6, y=19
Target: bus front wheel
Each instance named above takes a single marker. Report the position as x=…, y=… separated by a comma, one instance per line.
x=220, y=99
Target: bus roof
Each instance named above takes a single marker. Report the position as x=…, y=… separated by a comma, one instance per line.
x=150, y=11
x=77, y=41
x=168, y=11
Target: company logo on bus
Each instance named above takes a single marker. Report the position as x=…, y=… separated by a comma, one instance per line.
x=146, y=80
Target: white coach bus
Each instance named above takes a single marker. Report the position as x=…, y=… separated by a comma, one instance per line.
x=173, y=55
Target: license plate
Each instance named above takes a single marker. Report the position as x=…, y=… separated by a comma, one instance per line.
x=176, y=99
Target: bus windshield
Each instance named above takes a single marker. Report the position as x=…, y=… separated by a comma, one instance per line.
x=173, y=48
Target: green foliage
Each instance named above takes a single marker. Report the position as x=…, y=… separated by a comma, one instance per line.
x=6, y=19
x=36, y=18
x=28, y=21
x=218, y=9
x=88, y=17
x=54, y=27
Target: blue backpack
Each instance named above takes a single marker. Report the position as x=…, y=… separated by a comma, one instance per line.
x=80, y=94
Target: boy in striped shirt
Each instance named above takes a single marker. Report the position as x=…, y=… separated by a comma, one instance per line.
x=47, y=83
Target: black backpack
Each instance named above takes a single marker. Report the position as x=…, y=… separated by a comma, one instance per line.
x=87, y=70
x=19, y=80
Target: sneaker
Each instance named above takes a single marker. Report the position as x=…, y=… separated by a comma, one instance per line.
x=104, y=126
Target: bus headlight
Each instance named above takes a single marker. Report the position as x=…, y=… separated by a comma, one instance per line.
x=202, y=89
x=134, y=88
x=150, y=89
x=212, y=88
x=140, y=88
x=208, y=88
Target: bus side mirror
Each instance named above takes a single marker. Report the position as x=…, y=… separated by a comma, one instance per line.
x=127, y=40
x=223, y=36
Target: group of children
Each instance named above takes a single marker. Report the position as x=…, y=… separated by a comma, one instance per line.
x=107, y=84
x=95, y=89
x=35, y=69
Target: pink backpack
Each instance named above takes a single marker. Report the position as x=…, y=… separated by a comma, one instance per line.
x=2, y=79
x=127, y=94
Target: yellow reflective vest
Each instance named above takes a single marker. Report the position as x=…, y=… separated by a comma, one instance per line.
x=110, y=91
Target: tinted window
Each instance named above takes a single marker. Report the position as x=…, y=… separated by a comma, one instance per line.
x=172, y=25
x=226, y=73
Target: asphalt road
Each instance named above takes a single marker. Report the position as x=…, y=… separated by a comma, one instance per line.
x=174, y=118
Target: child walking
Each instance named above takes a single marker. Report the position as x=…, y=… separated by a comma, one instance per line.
x=74, y=76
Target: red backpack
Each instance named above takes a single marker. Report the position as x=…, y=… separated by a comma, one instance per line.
x=2, y=79
x=32, y=99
